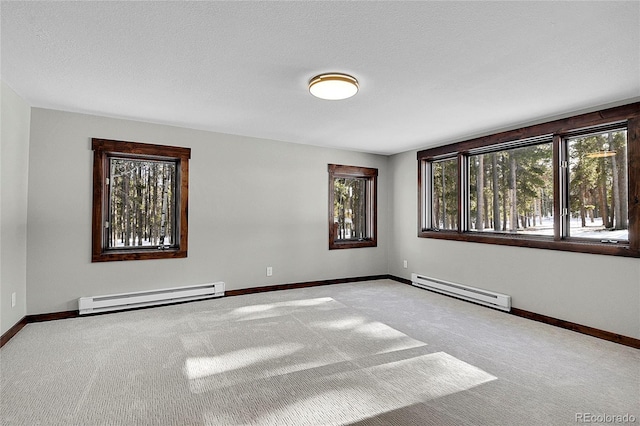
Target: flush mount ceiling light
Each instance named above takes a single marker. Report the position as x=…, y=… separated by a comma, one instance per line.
x=333, y=86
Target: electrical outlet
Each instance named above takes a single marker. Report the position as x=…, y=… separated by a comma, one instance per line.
x=269, y=271
x=405, y=264
x=13, y=300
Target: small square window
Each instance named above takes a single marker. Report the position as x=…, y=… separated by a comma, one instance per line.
x=352, y=207
x=140, y=201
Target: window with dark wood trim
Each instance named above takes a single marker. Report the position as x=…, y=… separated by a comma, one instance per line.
x=140, y=201
x=352, y=207
x=571, y=184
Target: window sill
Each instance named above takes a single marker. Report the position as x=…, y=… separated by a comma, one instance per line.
x=541, y=242
x=348, y=244
x=115, y=255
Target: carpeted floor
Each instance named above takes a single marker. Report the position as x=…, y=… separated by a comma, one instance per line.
x=369, y=353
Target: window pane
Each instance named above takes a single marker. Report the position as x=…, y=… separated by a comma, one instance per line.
x=141, y=203
x=598, y=193
x=445, y=194
x=512, y=191
x=350, y=206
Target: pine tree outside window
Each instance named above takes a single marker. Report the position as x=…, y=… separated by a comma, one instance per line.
x=598, y=189
x=444, y=194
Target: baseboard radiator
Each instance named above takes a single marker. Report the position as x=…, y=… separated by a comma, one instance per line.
x=138, y=299
x=472, y=294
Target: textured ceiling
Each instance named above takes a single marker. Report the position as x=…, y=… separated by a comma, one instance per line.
x=430, y=72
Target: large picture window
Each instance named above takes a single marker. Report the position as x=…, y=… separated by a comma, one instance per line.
x=352, y=207
x=570, y=184
x=140, y=201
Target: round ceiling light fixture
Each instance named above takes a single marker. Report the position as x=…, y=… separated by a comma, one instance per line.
x=333, y=86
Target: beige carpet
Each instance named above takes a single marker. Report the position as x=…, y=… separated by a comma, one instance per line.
x=378, y=353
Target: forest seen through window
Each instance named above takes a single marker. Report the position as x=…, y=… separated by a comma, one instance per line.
x=511, y=191
x=142, y=203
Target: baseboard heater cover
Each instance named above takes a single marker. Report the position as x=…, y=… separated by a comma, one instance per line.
x=138, y=299
x=472, y=294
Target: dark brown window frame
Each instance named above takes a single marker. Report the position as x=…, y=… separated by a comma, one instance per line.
x=626, y=116
x=102, y=150
x=371, y=174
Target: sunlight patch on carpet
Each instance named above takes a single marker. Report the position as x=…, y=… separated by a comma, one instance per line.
x=349, y=396
x=196, y=368
x=269, y=310
x=313, y=359
x=244, y=350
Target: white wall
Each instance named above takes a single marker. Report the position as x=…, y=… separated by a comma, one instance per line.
x=256, y=203
x=594, y=290
x=14, y=167
x=253, y=203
